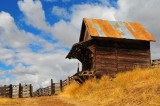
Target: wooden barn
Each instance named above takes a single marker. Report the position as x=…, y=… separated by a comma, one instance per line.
x=109, y=47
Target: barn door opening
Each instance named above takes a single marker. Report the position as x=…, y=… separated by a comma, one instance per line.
x=86, y=59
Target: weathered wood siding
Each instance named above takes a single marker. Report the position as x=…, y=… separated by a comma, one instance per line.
x=114, y=56
x=106, y=60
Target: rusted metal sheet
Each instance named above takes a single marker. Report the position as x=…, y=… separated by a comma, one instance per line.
x=117, y=29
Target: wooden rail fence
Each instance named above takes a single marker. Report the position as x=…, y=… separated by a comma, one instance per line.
x=53, y=89
x=16, y=91
x=6, y=91
x=156, y=63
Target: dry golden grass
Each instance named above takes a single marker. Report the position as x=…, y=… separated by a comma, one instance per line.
x=139, y=87
x=37, y=101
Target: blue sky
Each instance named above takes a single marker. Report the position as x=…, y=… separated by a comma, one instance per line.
x=36, y=35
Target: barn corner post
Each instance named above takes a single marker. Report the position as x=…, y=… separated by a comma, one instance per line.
x=61, y=87
x=20, y=90
x=52, y=87
x=10, y=90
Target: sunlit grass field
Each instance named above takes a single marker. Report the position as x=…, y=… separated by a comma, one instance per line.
x=140, y=87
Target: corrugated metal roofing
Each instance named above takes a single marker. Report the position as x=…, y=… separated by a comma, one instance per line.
x=117, y=29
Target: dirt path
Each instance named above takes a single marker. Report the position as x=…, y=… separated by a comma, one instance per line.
x=77, y=102
x=37, y=101
x=43, y=101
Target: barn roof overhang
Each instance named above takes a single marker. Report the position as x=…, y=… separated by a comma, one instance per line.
x=78, y=49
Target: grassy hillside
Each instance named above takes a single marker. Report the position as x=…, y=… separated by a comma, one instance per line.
x=138, y=87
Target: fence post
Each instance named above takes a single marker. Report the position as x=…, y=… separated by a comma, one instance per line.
x=20, y=90
x=61, y=87
x=52, y=92
x=4, y=92
x=68, y=81
x=54, y=88
x=78, y=68
x=31, y=90
x=10, y=90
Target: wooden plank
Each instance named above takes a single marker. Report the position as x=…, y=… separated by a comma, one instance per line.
x=129, y=58
x=107, y=61
x=102, y=57
x=106, y=69
x=107, y=65
x=57, y=84
x=101, y=72
x=145, y=55
x=130, y=50
x=101, y=48
x=105, y=53
x=133, y=61
x=134, y=54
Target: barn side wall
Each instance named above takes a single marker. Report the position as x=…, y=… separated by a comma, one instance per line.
x=113, y=56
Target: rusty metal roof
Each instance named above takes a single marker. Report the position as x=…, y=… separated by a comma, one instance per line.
x=117, y=29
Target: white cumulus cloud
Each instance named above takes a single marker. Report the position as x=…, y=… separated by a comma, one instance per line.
x=28, y=66
x=60, y=12
x=34, y=14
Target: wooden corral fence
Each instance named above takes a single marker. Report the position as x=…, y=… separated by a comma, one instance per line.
x=43, y=92
x=53, y=89
x=26, y=90
x=16, y=91
x=156, y=63
x=6, y=91
x=57, y=88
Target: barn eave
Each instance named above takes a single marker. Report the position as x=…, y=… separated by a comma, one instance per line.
x=77, y=50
